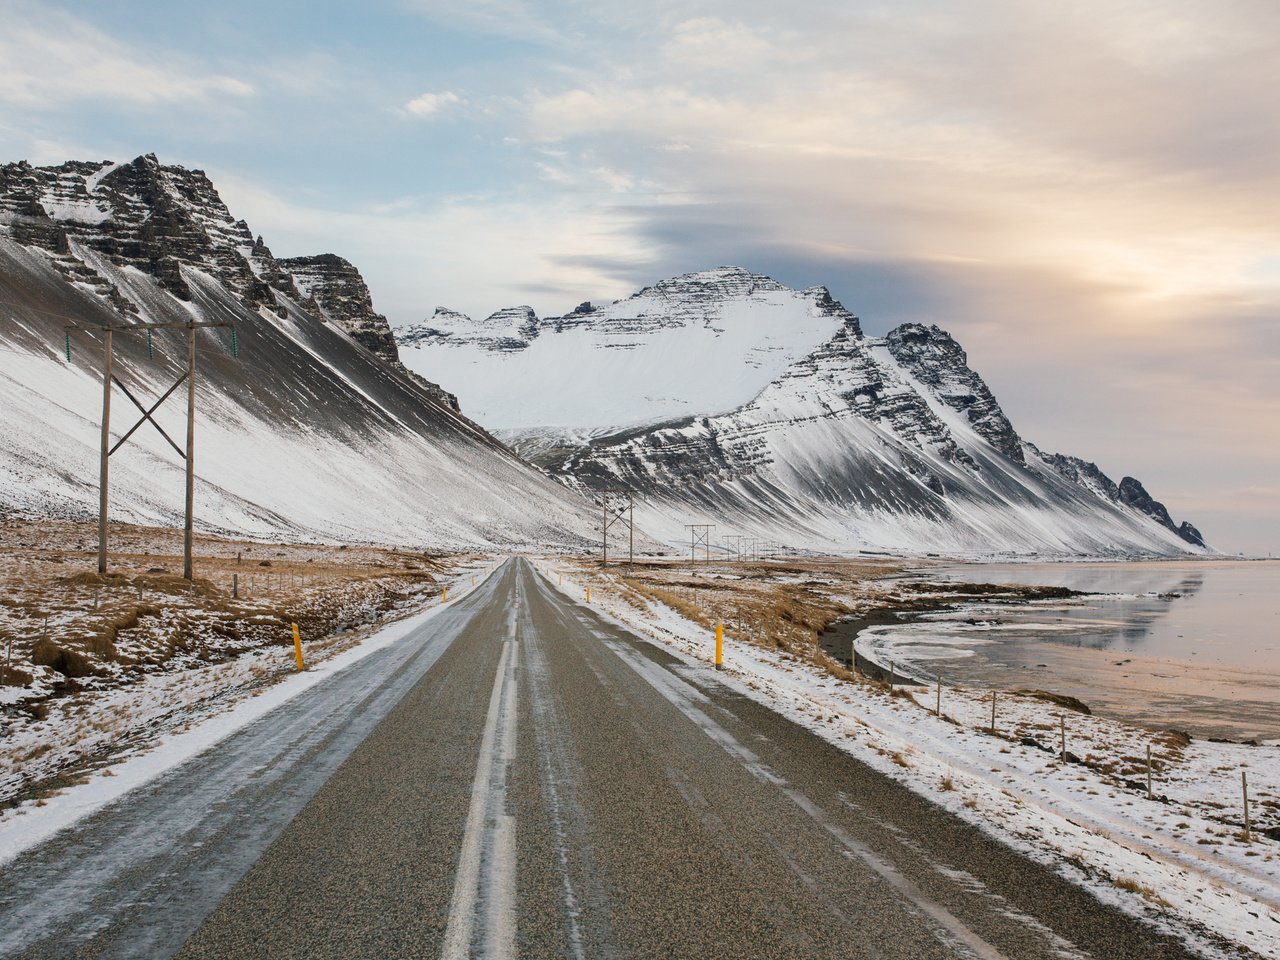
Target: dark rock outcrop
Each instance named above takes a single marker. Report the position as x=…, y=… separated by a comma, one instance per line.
x=142, y=214
x=934, y=358
x=340, y=294
x=1134, y=495
x=334, y=288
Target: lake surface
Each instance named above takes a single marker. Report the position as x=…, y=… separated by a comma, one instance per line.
x=1188, y=644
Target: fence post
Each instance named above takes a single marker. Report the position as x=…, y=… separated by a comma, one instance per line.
x=937, y=707
x=993, y=711
x=1244, y=789
x=1148, y=771
x=1062, y=725
x=235, y=586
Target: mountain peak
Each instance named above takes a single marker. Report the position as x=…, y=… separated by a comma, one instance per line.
x=728, y=281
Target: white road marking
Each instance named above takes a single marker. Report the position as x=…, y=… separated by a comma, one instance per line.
x=488, y=856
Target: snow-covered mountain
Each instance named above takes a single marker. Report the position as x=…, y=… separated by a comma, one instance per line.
x=696, y=345
x=314, y=430
x=723, y=397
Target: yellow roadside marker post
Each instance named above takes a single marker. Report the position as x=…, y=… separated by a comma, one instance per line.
x=719, y=646
x=588, y=594
x=297, y=647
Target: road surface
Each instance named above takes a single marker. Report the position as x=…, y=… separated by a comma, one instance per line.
x=520, y=778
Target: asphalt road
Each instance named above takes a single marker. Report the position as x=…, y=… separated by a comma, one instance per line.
x=519, y=778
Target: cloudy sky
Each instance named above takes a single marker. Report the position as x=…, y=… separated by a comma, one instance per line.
x=1087, y=195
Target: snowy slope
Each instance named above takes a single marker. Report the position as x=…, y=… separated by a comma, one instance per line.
x=697, y=344
x=306, y=434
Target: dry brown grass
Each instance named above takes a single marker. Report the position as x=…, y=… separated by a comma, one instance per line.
x=778, y=605
x=58, y=613
x=1130, y=885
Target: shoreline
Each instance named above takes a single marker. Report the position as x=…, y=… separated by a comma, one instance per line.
x=850, y=641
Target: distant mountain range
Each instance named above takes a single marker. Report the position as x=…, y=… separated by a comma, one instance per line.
x=315, y=430
x=717, y=397
x=724, y=397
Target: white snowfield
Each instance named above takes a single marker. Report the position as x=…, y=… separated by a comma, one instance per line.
x=700, y=344
x=1180, y=865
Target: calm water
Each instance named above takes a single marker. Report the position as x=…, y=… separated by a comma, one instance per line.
x=1192, y=645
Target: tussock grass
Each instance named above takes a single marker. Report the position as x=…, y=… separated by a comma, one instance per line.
x=1130, y=885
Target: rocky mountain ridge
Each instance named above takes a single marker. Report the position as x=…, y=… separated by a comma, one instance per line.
x=160, y=218
x=854, y=442
x=334, y=289
x=304, y=429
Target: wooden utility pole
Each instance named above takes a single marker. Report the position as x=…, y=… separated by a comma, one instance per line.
x=191, y=452
x=699, y=535
x=106, y=454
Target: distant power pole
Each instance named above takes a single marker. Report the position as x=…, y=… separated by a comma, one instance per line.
x=109, y=378
x=617, y=506
x=699, y=535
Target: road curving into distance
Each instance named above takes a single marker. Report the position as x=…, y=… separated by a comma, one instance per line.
x=521, y=778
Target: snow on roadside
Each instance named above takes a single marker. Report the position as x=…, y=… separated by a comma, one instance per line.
x=1179, y=865
x=192, y=699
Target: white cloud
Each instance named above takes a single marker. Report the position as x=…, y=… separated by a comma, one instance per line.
x=417, y=258
x=430, y=104
x=49, y=58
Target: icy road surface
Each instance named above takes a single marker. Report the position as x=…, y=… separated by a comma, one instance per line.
x=519, y=778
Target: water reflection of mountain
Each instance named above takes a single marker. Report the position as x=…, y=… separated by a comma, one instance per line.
x=1102, y=623
x=1191, y=584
